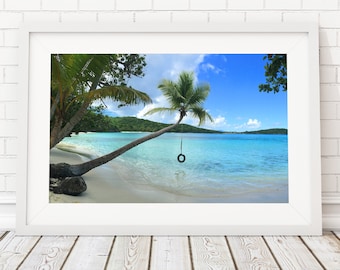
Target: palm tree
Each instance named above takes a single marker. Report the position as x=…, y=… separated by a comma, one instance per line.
x=80, y=79
x=183, y=97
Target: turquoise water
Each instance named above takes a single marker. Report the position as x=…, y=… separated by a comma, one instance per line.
x=234, y=166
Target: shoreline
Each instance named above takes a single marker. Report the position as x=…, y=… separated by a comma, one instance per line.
x=103, y=184
x=106, y=184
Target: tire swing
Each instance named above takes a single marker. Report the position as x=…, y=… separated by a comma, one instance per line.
x=181, y=157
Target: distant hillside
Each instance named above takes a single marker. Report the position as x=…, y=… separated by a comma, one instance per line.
x=101, y=123
x=273, y=131
x=136, y=124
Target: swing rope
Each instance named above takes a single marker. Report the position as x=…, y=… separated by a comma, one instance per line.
x=181, y=157
x=181, y=139
x=181, y=142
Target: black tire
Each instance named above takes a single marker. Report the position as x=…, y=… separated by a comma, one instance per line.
x=181, y=158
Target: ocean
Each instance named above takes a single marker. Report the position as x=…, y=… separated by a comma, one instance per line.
x=224, y=167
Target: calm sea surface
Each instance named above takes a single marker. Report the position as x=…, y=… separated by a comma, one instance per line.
x=216, y=165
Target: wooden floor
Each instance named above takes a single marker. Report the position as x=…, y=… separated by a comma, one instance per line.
x=171, y=253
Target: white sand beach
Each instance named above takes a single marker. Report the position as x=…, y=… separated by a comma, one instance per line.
x=107, y=184
x=104, y=184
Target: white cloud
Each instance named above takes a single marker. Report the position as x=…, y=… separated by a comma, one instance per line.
x=253, y=123
x=159, y=101
x=250, y=124
x=219, y=120
x=113, y=109
x=159, y=66
x=178, y=63
x=163, y=117
x=219, y=123
x=210, y=67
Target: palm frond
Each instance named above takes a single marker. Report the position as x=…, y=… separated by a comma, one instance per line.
x=171, y=92
x=124, y=94
x=201, y=114
x=199, y=95
x=186, y=84
x=160, y=110
x=183, y=96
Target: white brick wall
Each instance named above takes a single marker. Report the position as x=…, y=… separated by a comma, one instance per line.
x=282, y=4
x=57, y=5
x=326, y=12
x=170, y=5
x=97, y=4
x=208, y=5
x=319, y=5
x=134, y=4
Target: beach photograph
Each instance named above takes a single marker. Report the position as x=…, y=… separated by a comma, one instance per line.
x=168, y=128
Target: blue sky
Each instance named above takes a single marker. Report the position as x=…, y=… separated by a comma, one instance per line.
x=234, y=101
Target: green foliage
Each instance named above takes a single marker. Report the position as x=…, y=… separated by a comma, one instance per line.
x=142, y=125
x=184, y=97
x=77, y=80
x=276, y=73
x=88, y=77
x=272, y=131
x=95, y=121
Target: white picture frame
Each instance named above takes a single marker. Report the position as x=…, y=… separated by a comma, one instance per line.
x=300, y=216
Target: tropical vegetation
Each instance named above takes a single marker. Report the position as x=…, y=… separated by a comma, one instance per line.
x=78, y=80
x=142, y=125
x=183, y=97
x=275, y=73
x=81, y=82
x=95, y=121
x=271, y=131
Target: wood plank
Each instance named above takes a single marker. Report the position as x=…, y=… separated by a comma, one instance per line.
x=3, y=234
x=49, y=253
x=337, y=234
x=89, y=252
x=211, y=253
x=291, y=253
x=251, y=253
x=14, y=249
x=326, y=248
x=170, y=252
x=130, y=252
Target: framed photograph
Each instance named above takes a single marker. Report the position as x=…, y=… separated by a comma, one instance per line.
x=169, y=130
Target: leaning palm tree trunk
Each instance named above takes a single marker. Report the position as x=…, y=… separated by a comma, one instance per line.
x=63, y=170
x=61, y=133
